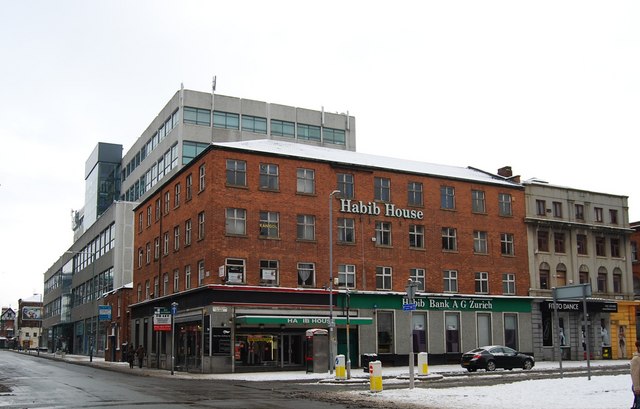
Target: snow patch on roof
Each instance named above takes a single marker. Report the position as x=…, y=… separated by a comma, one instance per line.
x=345, y=157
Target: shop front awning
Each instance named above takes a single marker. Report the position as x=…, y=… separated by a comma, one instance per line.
x=299, y=320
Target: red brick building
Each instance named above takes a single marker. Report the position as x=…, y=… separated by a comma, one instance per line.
x=242, y=233
x=118, y=328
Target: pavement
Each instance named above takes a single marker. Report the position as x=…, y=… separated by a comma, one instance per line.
x=390, y=374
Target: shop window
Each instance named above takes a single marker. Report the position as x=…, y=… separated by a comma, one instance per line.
x=385, y=326
x=511, y=331
x=452, y=332
x=419, y=332
x=484, y=329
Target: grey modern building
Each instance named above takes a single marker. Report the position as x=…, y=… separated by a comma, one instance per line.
x=100, y=258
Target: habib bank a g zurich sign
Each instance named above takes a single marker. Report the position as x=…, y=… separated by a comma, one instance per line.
x=375, y=209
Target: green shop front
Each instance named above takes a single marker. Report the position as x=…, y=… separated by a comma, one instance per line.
x=444, y=326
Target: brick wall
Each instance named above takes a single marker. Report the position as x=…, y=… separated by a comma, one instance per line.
x=365, y=254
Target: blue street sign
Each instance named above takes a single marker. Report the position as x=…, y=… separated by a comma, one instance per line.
x=174, y=309
x=409, y=307
x=104, y=313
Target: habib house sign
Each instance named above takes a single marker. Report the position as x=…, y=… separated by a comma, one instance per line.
x=374, y=209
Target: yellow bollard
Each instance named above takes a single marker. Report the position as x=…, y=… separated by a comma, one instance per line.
x=423, y=363
x=375, y=376
x=341, y=373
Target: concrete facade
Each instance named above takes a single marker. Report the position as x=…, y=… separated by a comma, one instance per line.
x=579, y=237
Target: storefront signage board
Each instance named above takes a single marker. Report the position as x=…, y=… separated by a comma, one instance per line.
x=299, y=320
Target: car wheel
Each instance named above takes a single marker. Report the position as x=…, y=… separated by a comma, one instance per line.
x=491, y=366
x=471, y=369
x=528, y=364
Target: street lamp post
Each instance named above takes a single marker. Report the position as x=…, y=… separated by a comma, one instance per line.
x=348, y=346
x=174, y=310
x=331, y=322
x=411, y=292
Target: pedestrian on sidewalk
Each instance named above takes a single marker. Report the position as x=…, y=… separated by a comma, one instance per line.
x=635, y=376
x=131, y=355
x=140, y=355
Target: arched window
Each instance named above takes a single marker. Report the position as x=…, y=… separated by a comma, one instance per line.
x=561, y=275
x=602, y=279
x=584, y=274
x=617, y=280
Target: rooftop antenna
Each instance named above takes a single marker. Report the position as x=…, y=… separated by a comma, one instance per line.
x=213, y=92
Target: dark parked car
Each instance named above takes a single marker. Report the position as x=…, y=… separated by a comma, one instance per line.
x=495, y=356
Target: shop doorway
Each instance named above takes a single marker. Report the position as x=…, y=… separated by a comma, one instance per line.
x=269, y=350
x=189, y=347
x=292, y=350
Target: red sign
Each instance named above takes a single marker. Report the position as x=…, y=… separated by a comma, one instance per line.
x=162, y=322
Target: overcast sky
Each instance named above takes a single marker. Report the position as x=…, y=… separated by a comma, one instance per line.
x=551, y=88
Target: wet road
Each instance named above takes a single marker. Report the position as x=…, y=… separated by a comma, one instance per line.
x=31, y=382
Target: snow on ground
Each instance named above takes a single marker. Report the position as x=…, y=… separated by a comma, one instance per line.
x=601, y=392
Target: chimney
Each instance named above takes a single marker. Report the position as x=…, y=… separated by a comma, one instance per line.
x=505, y=171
